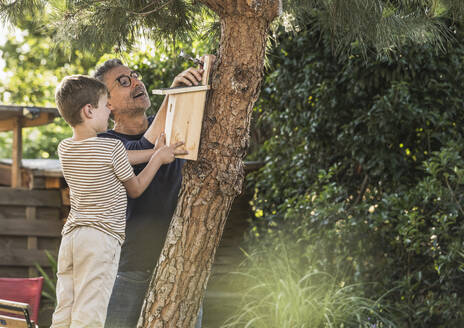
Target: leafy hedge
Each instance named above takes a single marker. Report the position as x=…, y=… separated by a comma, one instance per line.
x=364, y=164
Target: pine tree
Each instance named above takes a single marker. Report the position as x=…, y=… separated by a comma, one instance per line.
x=211, y=183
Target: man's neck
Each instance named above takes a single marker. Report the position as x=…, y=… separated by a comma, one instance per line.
x=131, y=125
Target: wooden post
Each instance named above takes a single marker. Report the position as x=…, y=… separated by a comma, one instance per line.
x=17, y=154
x=207, y=62
x=32, y=241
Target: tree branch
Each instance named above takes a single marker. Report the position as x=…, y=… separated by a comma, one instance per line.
x=362, y=190
x=146, y=13
x=268, y=9
x=454, y=196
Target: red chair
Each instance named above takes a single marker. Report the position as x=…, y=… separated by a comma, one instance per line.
x=23, y=290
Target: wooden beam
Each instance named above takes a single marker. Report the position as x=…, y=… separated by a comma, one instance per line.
x=170, y=91
x=17, y=153
x=207, y=66
x=10, y=322
x=24, y=197
x=14, y=306
x=24, y=257
x=52, y=183
x=30, y=228
x=7, y=125
x=32, y=116
x=41, y=119
x=32, y=240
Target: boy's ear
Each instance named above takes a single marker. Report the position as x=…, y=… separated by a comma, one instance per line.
x=87, y=111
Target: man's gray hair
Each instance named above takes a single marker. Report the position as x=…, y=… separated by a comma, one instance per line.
x=106, y=67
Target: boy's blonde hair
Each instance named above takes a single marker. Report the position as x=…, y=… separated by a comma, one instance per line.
x=76, y=91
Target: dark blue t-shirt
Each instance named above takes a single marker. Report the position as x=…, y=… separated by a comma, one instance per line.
x=148, y=216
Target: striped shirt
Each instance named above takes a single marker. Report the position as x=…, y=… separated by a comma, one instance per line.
x=94, y=169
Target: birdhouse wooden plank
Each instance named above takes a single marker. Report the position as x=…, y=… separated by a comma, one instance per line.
x=184, y=115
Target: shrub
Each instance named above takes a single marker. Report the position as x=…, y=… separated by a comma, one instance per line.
x=365, y=165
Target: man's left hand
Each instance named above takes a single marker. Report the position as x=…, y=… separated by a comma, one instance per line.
x=189, y=77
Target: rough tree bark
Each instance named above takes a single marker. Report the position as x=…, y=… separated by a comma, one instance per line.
x=211, y=183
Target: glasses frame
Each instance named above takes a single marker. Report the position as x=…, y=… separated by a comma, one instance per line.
x=132, y=75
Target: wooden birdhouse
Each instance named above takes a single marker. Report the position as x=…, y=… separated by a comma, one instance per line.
x=184, y=115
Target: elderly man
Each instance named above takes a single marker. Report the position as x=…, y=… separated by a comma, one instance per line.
x=148, y=217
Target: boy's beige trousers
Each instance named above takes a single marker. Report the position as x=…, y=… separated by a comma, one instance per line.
x=87, y=266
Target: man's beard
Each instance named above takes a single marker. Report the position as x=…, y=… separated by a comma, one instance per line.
x=134, y=112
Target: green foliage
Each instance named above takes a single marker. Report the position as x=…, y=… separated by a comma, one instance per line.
x=379, y=25
x=280, y=292
x=34, y=74
x=34, y=67
x=49, y=291
x=364, y=163
x=375, y=25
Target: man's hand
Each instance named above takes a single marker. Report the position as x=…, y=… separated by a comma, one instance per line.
x=191, y=76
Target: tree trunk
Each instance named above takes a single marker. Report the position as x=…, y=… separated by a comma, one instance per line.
x=211, y=184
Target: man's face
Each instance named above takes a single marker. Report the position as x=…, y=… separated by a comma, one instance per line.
x=129, y=99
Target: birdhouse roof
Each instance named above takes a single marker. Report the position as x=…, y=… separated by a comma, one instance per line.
x=170, y=91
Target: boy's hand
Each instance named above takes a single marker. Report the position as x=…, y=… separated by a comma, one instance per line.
x=160, y=141
x=167, y=154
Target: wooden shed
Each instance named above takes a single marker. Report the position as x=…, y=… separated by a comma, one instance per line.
x=31, y=207
x=15, y=118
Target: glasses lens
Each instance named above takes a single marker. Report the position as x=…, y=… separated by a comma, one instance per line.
x=136, y=75
x=124, y=81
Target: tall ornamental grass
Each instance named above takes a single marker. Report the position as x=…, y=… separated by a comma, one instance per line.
x=277, y=292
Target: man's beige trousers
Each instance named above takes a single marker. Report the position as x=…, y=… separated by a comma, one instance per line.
x=87, y=266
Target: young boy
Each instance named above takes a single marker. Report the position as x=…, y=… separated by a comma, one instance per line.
x=98, y=172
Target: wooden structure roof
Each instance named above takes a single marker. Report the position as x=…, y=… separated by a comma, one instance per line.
x=14, y=118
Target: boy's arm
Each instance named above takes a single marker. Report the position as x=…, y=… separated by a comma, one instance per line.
x=143, y=156
x=139, y=156
x=139, y=144
x=136, y=185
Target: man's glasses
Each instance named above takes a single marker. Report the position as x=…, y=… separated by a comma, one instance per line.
x=125, y=81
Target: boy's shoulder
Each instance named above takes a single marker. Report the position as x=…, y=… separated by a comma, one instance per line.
x=94, y=142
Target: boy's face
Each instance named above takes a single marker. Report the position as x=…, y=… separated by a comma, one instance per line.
x=101, y=114
x=126, y=99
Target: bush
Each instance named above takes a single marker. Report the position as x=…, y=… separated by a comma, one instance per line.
x=365, y=165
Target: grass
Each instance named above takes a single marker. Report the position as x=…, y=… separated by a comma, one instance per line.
x=278, y=293
x=49, y=290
